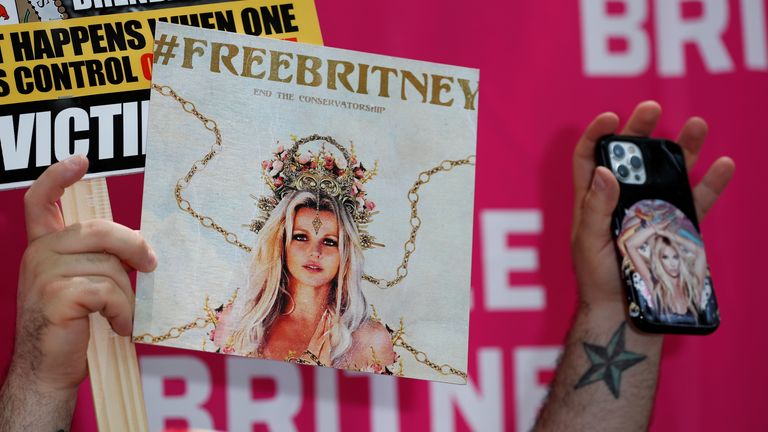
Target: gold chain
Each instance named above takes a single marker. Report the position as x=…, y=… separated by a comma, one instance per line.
x=421, y=356
x=198, y=165
x=413, y=197
x=175, y=332
x=402, y=271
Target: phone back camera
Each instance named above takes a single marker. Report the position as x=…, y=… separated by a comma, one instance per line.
x=627, y=162
x=622, y=170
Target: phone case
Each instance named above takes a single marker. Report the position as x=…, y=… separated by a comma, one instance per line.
x=661, y=253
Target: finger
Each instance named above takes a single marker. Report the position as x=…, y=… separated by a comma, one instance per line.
x=87, y=294
x=712, y=185
x=691, y=138
x=96, y=264
x=584, y=154
x=597, y=208
x=42, y=214
x=643, y=119
x=99, y=235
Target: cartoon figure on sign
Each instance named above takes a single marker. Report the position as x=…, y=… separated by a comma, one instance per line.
x=3, y=12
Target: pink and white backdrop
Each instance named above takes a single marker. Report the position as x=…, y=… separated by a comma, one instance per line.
x=546, y=69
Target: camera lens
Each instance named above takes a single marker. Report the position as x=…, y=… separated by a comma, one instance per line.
x=623, y=171
x=635, y=162
x=618, y=151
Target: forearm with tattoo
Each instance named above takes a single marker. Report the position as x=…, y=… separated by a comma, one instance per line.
x=606, y=378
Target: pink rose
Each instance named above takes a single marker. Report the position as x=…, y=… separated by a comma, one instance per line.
x=279, y=182
x=370, y=205
x=283, y=155
x=359, y=172
x=304, y=158
x=328, y=163
x=266, y=165
x=354, y=190
x=279, y=149
x=313, y=164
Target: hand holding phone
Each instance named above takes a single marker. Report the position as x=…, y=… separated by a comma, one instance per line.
x=597, y=193
x=661, y=253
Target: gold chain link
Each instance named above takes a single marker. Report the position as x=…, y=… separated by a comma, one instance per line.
x=402, y=271
x=413, y=197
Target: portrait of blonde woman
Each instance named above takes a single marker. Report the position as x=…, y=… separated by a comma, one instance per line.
x=304, y=301
x=666, y=254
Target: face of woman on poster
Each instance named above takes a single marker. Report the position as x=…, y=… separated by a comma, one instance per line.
x=312, y=258
x=670, y=260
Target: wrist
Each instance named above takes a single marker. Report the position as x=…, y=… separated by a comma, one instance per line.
x=604, y=315
x=19, y=374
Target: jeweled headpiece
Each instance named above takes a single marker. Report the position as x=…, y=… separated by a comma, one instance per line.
x=323, y=174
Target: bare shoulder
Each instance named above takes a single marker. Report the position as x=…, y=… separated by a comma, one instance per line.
x=371, y=343
x=371, y=331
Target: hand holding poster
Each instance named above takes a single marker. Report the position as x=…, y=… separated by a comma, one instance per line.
x=277, y=174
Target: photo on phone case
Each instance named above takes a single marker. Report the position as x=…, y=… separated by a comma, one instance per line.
x=663, y=258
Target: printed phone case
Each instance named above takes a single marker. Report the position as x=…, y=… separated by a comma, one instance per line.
x=661, y=253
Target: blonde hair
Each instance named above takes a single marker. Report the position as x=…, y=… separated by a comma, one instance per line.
x=267, y=292
x=664, y=284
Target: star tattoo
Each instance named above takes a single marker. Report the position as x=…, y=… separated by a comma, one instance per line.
x=609, y=362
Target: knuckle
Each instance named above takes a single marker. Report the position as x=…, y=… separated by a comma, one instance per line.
x=29, y=197
x=84, y=287
x=98, y=228
x=51, y=289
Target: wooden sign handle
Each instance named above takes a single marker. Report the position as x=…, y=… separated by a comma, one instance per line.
x=112, y=362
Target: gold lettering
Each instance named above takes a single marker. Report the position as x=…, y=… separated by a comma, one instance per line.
x=362, y=78
x=469, y=95
x=439, y=86
x=302, y=70
x=384, y=81
x=250, y=57
x=343, y=76
x=420, y=87
x=217, y=58
x=275, y=63
x=190, y=50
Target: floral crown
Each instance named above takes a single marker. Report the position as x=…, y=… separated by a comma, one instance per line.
x=322, y=173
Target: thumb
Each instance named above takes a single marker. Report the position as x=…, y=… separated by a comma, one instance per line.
x=41, y=212
x=597, y=208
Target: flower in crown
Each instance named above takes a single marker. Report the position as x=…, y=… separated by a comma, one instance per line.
x=342, y=178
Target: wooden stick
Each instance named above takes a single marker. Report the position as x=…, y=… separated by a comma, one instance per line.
x=112, y=362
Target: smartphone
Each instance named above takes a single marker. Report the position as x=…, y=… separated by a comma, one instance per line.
x=661, y=254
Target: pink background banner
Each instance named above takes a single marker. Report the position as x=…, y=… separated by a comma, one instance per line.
x=547, y=68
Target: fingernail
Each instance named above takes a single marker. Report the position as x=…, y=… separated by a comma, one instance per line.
x=597, y=183
x=152, y=258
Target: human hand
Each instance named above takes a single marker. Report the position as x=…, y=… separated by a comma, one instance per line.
x=597, y=192
x=66, y=274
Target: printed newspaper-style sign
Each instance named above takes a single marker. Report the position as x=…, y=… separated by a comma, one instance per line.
x=84, y=8
x=8, y=12
x=77, y=86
